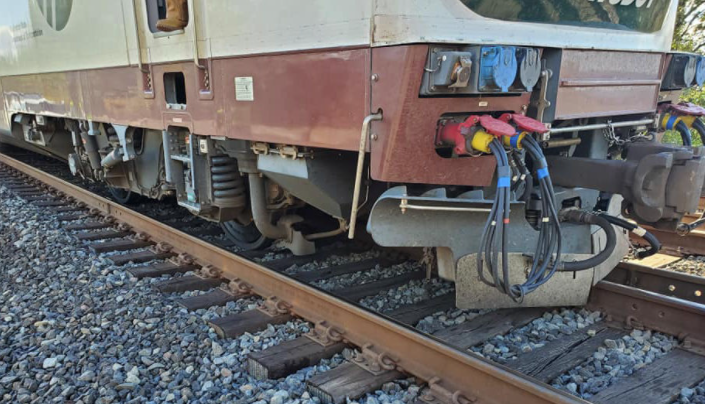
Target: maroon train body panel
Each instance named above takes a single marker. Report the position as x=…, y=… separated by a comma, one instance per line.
x=404, y=150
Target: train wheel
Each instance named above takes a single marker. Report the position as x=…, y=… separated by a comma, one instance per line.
x=247, y=237
x=123, y=196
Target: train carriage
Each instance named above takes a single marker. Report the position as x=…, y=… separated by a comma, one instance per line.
x=510, y=137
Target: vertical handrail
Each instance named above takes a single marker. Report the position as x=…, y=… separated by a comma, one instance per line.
x=192, y=19
x=365, y=133
x=137, y=37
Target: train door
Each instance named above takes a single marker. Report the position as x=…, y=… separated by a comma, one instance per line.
x=161, y=42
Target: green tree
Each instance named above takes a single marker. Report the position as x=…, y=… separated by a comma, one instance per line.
x=690, y=22
x=688, y=37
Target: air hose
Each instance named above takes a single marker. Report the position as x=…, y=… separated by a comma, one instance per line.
x=684, y=131
x=654, y=244
x=583, y=217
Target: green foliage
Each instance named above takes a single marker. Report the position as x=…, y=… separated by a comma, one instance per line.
x=688, y=37
x=695, y=95
x=673, y=137
x=690, y=22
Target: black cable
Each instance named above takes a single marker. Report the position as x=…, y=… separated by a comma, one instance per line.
x=547, y=258
x=684, y=131
x=489, y=254
x=699, y=127
x=549, y=243
x=654, y=243
x=582, y=217
x=494, y=240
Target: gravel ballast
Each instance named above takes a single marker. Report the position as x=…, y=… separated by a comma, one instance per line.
x=693, y=265
x=74, y=328
x=695, y=395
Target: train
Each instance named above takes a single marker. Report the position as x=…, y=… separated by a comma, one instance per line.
x=514, y=142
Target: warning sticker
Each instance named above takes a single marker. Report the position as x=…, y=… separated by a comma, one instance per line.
x=244, y=89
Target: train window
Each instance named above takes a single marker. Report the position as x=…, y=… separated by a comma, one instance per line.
x=156, y=10
x=175, y=88
x=56, y=12
x=173, y=15
x=627, y=15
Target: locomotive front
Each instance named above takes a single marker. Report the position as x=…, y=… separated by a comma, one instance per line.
x=546, y=139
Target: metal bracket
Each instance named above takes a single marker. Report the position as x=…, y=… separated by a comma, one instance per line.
x=274, y=307
x=123, y=227
x=239, y=287
x=209, y=271
x=141, y=237
x=325, y=334
x=161, y=248
x=543, y=101
x=183, y=259
x=373, y=361
x=128, y=147
x=436, y=393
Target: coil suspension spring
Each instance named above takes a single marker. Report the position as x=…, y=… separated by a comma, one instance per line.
x=229, y=188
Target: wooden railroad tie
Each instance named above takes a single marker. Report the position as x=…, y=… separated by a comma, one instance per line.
x=344, y=269
x=187, y=283
x=140, y=257
x=162, y=268
x=482, y=328
x=288, y=357
x=67, y=209
x=89, y=226
x=658, y=383
x=358, y=292
x=70, y=217
x=412, y=314
x=54, y=203
x=101, y=235
x=347, y=381
x=565, y=353
x=248, y=321
x=216, y=297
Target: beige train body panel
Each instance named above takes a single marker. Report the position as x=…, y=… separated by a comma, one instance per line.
x=450, y=21
x=102, y=33
x=94, y=37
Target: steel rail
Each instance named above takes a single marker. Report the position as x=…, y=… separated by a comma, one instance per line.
x=462, y=375
x=664, y=282
x=692, y=243
x=643, y=309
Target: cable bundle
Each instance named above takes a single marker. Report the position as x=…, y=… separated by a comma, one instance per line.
x=548, y=249
x=494, y=236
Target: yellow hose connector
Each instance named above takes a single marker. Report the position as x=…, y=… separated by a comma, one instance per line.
x=669, y=121
x=515, y=141
x=481, y=141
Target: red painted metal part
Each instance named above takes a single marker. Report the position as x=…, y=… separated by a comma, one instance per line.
x=524, y=123
x=687, y=108
x=451, y=134
x=496, y=127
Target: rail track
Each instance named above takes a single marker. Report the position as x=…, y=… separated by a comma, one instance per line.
x=632, y=299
